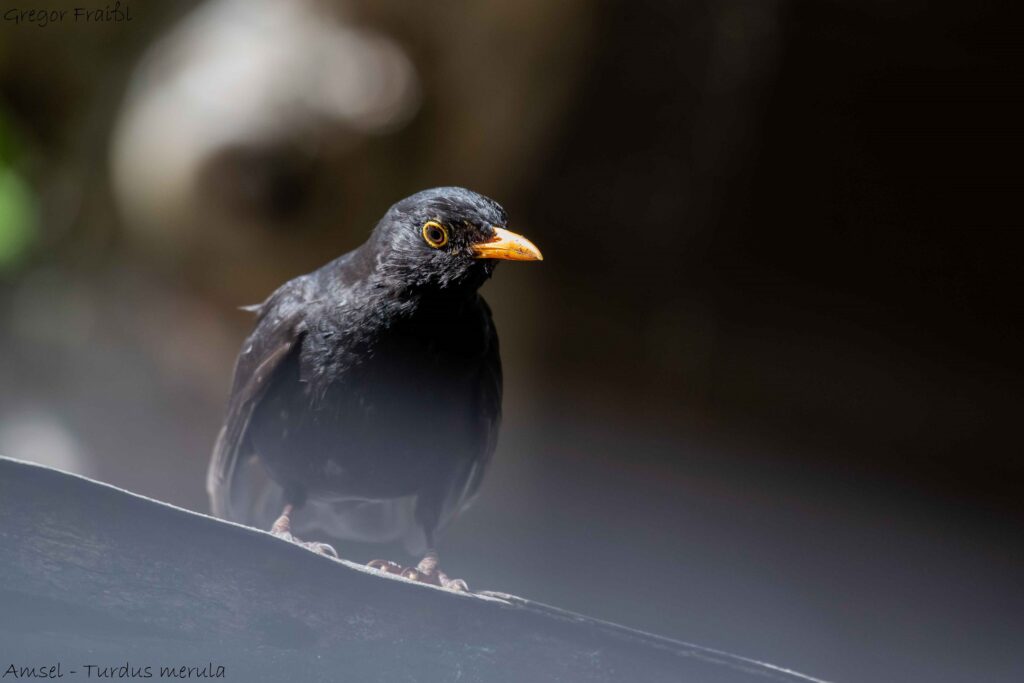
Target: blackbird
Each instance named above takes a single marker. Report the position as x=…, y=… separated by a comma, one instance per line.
x=366, y=401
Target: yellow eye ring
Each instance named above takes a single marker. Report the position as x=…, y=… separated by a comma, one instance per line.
x=435, y=234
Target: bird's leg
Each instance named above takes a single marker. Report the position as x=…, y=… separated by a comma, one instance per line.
x=282, y=528
x=428, y=571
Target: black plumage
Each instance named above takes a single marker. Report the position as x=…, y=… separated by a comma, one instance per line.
x=368, y=396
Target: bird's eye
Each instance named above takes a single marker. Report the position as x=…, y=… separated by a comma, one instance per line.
x=435, y=234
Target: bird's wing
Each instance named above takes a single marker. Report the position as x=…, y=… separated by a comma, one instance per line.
x=277, y=334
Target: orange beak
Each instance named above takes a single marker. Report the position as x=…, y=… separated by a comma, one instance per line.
x=508, y=246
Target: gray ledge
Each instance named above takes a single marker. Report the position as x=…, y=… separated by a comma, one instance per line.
x=94, y=575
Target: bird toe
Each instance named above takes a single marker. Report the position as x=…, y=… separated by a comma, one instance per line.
x=457, y=585
x=385, y=566
x=321, y=549
x=414, y=574
x=435, y=578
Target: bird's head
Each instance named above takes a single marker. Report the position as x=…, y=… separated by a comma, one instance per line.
x=447, y=237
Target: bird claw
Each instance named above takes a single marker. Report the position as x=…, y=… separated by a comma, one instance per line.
x=436, y=578
x=457, y=585
x=318, y=548
x=433, y=578
x=385, y=566
x=283, y=529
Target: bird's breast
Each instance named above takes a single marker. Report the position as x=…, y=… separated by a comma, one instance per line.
x=400, y=414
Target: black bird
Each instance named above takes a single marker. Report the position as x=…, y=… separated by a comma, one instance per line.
x=366, y=401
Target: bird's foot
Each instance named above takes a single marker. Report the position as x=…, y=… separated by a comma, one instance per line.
x=436, y=578
x=319, y=548
x=427, y=571
x=386, y=566
x=283, y=529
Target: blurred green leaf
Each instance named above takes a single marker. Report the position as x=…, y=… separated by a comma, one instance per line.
x=17, y=218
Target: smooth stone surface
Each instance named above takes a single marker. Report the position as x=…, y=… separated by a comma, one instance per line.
x=94, y=575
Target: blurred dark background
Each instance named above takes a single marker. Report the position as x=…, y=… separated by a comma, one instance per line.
x=762, y=395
